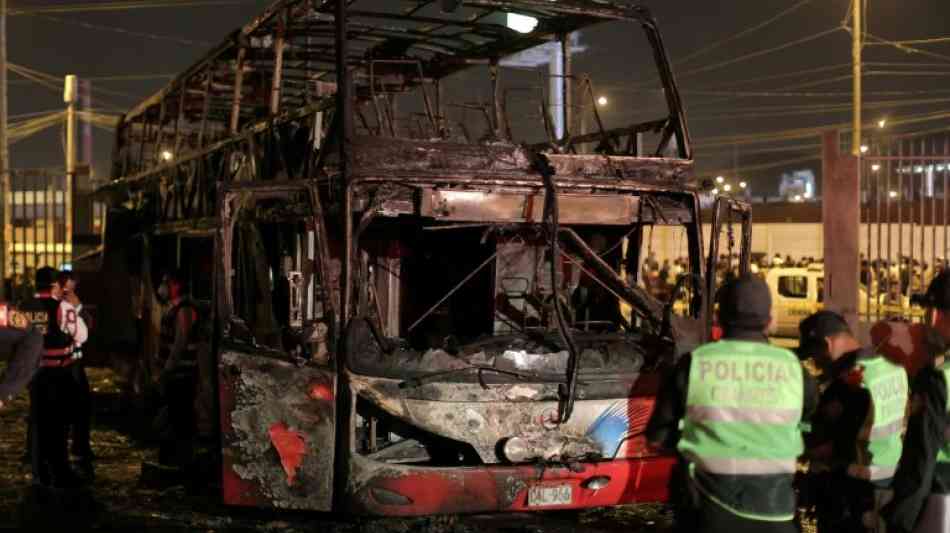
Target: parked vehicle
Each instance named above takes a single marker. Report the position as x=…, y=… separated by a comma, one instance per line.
x=799, y=292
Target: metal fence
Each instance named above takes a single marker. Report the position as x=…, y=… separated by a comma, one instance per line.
x=904, y=207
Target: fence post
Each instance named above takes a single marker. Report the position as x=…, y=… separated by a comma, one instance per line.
x=840, y=214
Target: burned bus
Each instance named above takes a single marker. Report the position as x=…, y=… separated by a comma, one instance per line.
x=419, y=301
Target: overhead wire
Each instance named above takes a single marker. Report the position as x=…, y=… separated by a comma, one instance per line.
x=55, y=82
x=906, y=48
x=783, y=75
x=33, y=114
x=132, y=33
x=20, y=130
x=128, y=77
x=781, y=111
x=763, y=137
x=933, y=40
x=118, y=6
x=710, y=47
x=25, y=73
x=759, y=53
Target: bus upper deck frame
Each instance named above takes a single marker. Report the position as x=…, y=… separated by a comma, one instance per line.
x=284, y=64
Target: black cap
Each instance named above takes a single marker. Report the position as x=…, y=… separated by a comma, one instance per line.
x=938, y=293
x=816, y=328
x=745, y=303
x=45, y=277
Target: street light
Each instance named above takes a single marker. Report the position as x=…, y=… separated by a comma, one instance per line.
x=875, y=167
x=864, y=148
x=602, y=101
x=715, y=192
x=727, y=187
x=720, y=179
x=743, y=185
x=892, y=194
x=521, y=23
x=167, y=155
x=881, y=123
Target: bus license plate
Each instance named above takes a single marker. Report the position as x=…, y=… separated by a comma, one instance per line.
x=547, y=495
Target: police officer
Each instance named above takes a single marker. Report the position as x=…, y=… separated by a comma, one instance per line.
x=733, y=408
x=924, y=469
x=856, y=437
x=52, y=393
x=178, y=359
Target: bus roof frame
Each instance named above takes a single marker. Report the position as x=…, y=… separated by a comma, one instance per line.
x=476, y=41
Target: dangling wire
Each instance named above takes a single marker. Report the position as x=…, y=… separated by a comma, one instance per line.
x=732, y=243
x=551, y=217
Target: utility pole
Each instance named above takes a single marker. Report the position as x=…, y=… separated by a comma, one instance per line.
x=856, y=40
x=69, y=97
x=4, y=150
x=85, y=93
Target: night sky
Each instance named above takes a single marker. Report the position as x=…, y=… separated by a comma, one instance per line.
x=65, y=43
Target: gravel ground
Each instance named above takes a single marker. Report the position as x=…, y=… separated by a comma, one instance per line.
x=123, y=504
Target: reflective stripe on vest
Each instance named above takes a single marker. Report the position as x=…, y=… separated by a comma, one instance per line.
x=879, y=443
x=943, y=455
x=744, y=405
x=743, y=414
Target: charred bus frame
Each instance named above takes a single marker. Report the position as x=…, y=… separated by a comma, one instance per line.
x=335, y=406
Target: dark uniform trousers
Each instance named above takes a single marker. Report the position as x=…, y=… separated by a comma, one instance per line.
x=711, y=518
x=52, y=397
x=82, y=412
x=696, y=513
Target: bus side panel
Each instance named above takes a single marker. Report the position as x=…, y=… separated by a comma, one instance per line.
x=277, y=422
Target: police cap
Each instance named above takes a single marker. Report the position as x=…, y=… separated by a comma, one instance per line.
x=745, y=303
x=45, y=277
x=822, y=324
x=816, y=328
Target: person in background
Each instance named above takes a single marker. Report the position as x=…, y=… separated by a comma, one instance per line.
x=738, y=446
x=53, y=391
x=82, y=410
x=855, y=442
x=924, y=468
x=178, y=353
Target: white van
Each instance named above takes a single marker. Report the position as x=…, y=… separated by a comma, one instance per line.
x=799, y=292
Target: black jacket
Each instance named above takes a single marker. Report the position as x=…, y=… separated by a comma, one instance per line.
x=918, y=474
x=744, y=492
x=841, y=412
